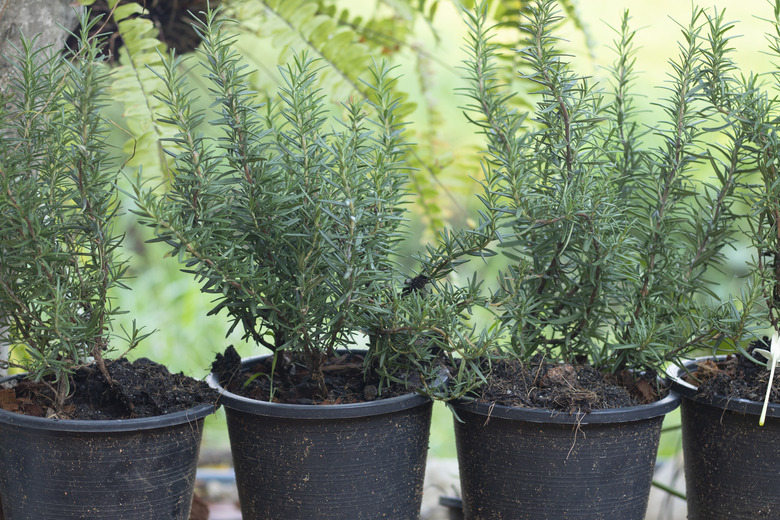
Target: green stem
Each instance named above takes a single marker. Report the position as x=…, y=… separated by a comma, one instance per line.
x=669, y=489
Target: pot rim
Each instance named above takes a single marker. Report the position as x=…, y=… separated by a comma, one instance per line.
x=548, y=416
x=240, y=403
x=190, y=415
x=689, y=391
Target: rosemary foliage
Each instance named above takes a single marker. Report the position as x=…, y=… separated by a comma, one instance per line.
x=748, y=111
x=290, y=223
x=58, y=203
x=608, y=232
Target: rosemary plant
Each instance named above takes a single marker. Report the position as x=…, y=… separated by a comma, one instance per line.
x=293, y=225
x=58, y=203
x=608, y=229
x=748, y=109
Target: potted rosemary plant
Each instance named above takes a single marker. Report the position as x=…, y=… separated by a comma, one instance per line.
x=607, y=236
x=731, y=403
x=292, y=220
x=81, y=435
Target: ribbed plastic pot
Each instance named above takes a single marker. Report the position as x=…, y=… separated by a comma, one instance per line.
x=133, y=469
x=522, y=463
x=328, y=462
x=732, y=465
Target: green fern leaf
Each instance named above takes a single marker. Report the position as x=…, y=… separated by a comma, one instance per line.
x=134, y=85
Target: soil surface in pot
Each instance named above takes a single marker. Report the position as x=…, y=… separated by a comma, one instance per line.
x=565, y=387
x=142, y=388
x=346, y=379
x=736, y=377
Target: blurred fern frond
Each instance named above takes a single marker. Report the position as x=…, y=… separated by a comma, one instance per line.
x=345, y=38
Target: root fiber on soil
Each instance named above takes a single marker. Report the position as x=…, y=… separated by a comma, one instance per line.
x=565, y=387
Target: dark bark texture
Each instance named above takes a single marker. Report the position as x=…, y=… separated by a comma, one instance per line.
x=45, y=18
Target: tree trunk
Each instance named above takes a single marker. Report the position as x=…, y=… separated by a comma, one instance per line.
x=45, y=18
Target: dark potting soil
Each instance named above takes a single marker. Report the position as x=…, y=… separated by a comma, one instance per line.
x=565, y=387
x=346, y=379
x=736, y=377
x=139, y=389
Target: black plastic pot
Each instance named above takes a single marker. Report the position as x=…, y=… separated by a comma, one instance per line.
x=732, y=465
x=114, y=469
x=347, y=461
x=523, y=463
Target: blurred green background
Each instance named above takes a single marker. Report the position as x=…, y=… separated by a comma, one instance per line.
x=169, y=302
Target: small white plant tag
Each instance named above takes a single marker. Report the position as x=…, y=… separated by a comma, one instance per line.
x=773, y=360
